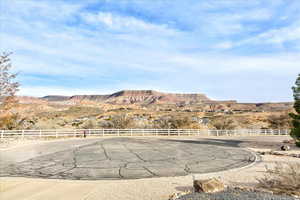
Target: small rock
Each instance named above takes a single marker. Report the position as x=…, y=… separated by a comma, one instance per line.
x=285, y=147
x=208, y=186
x=177, y=195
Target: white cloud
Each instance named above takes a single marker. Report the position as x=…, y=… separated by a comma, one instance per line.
x=124, y=23
x=276, y=36
x=280, y=35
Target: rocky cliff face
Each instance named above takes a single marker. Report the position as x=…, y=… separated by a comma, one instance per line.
x=136, y=97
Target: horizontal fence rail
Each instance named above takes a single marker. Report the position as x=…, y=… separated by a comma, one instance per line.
x=137, y=132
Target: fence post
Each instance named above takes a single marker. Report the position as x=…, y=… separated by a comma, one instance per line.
x=74, y=134
x=40, y=133
x=89, y=132
x=2, y=134
x=217, y=132
x=130, y=132
x=22, y=134
x=103, y=132
x=56, y=134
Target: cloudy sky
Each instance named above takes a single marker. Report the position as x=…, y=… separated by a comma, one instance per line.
x=247, y=50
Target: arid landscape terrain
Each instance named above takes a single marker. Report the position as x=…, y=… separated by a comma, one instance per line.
x=148, y=109
x=149, y=100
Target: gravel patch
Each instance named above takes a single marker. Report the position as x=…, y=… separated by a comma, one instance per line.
x=235, y=194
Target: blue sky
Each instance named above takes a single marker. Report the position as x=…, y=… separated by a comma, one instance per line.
x=247, y=50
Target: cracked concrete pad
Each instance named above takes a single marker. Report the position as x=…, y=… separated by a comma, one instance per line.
x=124, y=158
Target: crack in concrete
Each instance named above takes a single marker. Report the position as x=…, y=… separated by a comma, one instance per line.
x=105, y=153
x=153, y=174
x=134, y=153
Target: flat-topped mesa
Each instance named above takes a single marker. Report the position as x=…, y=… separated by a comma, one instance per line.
x=135, y=93
x=136, y=97
x=151, y=97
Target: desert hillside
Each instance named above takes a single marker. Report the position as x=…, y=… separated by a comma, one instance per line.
x=147, y=109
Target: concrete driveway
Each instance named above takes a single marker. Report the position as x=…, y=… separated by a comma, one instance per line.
x=122, y=158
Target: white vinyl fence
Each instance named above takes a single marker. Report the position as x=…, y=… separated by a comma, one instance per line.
x=137, y=132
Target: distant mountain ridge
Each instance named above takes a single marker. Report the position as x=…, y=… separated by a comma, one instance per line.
x=136, y=97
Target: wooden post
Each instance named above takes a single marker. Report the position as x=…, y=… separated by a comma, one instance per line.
x=56, y=134
x=23, y=134
x=2, y=134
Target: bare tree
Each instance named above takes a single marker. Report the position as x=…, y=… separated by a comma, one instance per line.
x=8, y=89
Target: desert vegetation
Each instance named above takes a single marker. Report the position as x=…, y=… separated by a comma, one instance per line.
x=284, y=178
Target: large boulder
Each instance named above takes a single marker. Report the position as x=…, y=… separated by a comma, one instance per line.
x=208, y=186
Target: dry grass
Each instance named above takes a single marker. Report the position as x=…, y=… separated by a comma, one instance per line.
x=284, y=178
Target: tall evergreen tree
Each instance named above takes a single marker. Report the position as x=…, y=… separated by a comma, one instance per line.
x=295, y=132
